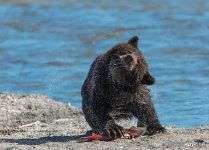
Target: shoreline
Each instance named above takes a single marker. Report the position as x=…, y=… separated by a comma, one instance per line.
x=33, y=121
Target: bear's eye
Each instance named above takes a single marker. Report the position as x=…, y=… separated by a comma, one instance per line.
x=128, y=59
x=138, y=61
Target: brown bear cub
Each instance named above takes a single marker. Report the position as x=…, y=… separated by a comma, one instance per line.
x=115, y=88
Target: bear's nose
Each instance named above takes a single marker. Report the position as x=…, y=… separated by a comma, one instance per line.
x=128, y=59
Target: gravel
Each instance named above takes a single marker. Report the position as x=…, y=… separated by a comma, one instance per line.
x=38, y=122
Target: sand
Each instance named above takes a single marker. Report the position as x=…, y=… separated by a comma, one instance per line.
x=38, y=122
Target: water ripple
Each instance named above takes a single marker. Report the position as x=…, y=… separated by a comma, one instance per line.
x=47, y=47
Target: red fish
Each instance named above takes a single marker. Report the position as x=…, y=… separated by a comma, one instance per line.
x=128, y=134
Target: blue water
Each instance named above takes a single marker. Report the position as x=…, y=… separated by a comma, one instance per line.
x=47, y=46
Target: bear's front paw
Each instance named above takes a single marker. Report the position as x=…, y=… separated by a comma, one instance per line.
x=155, y=129
x=113, y=132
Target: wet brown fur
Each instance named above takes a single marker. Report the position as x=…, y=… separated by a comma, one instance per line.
x=116, y=88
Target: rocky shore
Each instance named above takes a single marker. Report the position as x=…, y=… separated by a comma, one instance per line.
x=38, y=122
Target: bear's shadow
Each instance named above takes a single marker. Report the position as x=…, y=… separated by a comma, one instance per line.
x=43, y=140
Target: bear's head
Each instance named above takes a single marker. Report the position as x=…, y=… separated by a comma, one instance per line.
x=127, y=65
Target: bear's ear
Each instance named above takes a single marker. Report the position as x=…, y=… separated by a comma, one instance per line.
x=134, y=41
